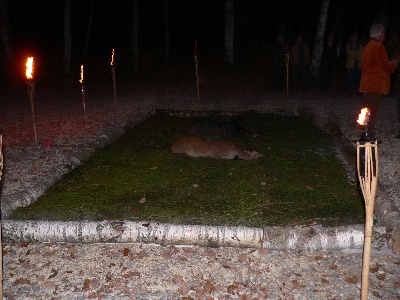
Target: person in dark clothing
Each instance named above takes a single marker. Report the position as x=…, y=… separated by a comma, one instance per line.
x=328, y=63
x=299, y=62
x=278, y=64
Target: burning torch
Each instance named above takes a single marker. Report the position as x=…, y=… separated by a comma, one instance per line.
x=196, y=65
x=83, y=94
x=367, y=167
x=113, y=78
x=31, y=91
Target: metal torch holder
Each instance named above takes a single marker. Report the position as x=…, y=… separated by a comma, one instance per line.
x=367, y=167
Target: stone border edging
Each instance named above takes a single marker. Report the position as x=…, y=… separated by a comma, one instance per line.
x=297, y=238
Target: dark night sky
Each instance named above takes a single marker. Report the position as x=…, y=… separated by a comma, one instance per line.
x=37, y=26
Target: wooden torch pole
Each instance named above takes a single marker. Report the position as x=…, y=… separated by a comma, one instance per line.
x=113, y=79
x=196, y=64
x=81, y=81
x=287, y=74
x=1, y=221
x=31, y=93
x=367, y=167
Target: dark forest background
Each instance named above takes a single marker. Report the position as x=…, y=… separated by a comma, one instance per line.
x=36, y=28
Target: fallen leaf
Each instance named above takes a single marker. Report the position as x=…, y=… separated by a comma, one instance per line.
x=195, y=185
x=374, y=269
x=352, y=279
x=381, y=275
x=209, y=286
x=232, y=289
x=333, y=267
x=376, y=294
x=86, y=284
x=323, y=280
x=153, y=168
x=143, y=200
x=134, y=210
x=126, y=251
x=54, y=273
x=21, y=281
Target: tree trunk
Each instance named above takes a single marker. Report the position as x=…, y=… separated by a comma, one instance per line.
x=89, y=27
x=324, y=238
x=229, y=33
x=166, y=30
x=67, y=38
x=319, y=39
x=5, y=40
x=135, y=31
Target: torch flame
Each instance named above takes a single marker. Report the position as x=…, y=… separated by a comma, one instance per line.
x=112, y=57
x=29, y=68
x=81, y=80
x=363, y=117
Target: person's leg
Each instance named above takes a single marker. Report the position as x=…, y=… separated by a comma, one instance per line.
x=374, y=102
x=350, y=79
x=357, y=78
x=303, y=75
x=294, y=77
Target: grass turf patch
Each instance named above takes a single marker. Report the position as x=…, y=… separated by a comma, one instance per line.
x=299, y=180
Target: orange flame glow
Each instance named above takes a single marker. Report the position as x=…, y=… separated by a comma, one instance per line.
x=81, y=80
x=29, y=68
x=363, y=117
x=112, y=57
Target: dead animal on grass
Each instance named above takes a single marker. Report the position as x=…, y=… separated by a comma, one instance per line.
x=198, y=147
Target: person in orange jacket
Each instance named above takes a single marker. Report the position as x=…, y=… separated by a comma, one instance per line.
x=375, y=72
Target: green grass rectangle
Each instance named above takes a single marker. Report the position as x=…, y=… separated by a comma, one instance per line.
x=299, y=180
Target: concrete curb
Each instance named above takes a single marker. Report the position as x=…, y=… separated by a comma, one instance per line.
x=297, y=238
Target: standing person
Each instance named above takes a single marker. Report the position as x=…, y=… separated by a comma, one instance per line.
x=328, y=63
x=279, y=65
x=375, y=72
x=353, y=57
x=299, y=61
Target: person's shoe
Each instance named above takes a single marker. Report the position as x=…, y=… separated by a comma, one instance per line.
x=397, y=136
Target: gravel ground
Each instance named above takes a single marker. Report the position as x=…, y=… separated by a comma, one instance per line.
x=138, y=271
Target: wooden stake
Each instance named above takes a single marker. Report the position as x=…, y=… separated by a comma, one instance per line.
x=287, y=74
x=1, y=225
x=196, y=64
x=31, y=93
x=114, y=83
x=368, y=177
x=84, y=103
